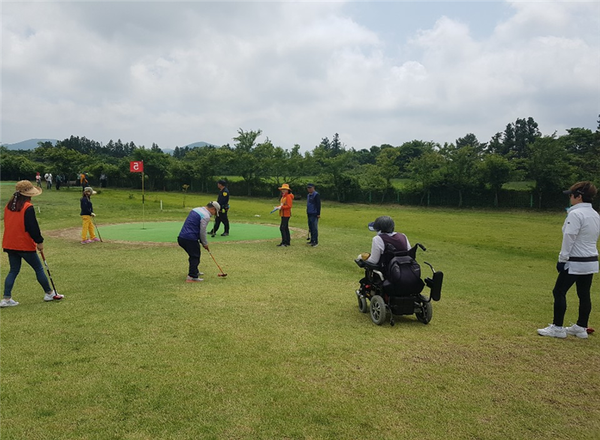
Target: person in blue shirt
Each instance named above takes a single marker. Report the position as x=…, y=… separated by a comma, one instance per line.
x=313, y=211
x=193, y=233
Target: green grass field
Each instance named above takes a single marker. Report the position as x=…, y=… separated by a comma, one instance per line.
x=278, y=349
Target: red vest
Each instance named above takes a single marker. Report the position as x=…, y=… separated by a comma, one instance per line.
x=16, y=238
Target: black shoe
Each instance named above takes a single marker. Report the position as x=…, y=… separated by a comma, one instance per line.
x=225, y=234
x=281, y=244
x=213, y=235
x=314, y=244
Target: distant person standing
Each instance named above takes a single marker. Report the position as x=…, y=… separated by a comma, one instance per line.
x=22, y=238
x=49, y=181
x=59, y=180
x=83, y=180
x=313, y=212
x=103, y=180
x=193, y=233
x=285, y=212
x=38, y=180
x=87, y=212
x=577, y=261
x=223, y=201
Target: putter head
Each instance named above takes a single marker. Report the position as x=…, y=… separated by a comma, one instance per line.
x=222, y=275
x=590, y=330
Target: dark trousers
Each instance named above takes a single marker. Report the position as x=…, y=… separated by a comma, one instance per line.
x=284, y=227
x=14, y=260
x=562, y=286
x=192, y=247
x=222, y=218
x=313, y=228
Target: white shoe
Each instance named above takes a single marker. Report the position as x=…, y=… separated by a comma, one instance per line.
x=553, y=331
x=8, y=303
x=51, y=296
x=577, y=330
x=190, y=279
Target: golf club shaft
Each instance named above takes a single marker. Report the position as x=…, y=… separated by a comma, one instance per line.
x=48, y=270
x=97, y=230
x=211, y=255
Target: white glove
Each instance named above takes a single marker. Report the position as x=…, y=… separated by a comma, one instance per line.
x=93, y=215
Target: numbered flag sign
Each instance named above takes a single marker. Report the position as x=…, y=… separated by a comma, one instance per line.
x=136, y=166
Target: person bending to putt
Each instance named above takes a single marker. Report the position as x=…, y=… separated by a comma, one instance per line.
x=193, y=233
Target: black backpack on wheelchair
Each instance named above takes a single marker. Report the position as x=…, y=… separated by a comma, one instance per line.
x=395, y=286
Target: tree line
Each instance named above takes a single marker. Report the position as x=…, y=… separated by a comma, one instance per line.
x=466, y=172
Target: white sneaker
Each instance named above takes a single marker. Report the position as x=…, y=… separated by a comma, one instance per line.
x=8, y=303
x=553, y=331
x=576, y=330
x=51, y=296
x=189, y=279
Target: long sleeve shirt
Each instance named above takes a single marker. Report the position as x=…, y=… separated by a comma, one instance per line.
x=580, y=237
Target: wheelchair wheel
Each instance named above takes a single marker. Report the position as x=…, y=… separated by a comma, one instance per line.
x=378, y=310
x=426, y=313
x=362, y=305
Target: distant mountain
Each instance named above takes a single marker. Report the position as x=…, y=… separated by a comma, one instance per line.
x=199, y=144
x=29, y=144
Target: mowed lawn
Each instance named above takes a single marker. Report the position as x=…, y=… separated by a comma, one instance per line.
x=278, y=349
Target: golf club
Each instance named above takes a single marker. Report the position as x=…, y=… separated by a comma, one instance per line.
x=222, y=274
x=56, y=295
x=97, y=230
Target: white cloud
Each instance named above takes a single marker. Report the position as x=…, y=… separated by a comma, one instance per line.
x=175, y=73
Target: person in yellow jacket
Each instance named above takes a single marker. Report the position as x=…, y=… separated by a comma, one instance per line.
x=285, y=212
x=22, y=238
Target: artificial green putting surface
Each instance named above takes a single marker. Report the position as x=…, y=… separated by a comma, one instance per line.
x=167, y=232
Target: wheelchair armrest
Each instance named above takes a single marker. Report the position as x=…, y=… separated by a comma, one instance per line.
x=365, y=265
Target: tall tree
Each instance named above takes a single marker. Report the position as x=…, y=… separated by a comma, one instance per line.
x=548, y=167
x=245, y=162
x=496, y=171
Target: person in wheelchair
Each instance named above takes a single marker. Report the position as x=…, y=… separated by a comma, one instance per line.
x=392, y=281
x=384, y=226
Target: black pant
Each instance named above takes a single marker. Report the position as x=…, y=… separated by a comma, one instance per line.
x=222, y=218
x=285, y=230
x=192, y=247
x=562, y=286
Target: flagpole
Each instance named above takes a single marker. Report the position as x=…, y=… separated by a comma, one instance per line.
x=143, y=200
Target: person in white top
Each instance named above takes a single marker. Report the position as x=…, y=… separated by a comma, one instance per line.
x=577, y=261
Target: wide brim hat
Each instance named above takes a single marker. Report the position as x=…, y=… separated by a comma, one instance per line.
x=285, y=186
x=217, y=207
x=26, y=188
x=88, y=189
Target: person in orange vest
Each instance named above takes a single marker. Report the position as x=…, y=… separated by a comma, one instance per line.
x=285, y=212
x=22, y=238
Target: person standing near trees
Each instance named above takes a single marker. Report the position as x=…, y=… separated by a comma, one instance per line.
x=223, y=201
x=87, y=212
x=313, y=212
x=577, y=261
x=285, y=212
x=22, y=238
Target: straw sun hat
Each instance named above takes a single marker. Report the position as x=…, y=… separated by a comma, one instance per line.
x=26, y=188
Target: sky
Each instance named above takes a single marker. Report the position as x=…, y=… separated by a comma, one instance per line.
x=175, y=73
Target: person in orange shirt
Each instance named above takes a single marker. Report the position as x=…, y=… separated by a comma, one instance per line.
x=285, y=212
x=22, y=238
